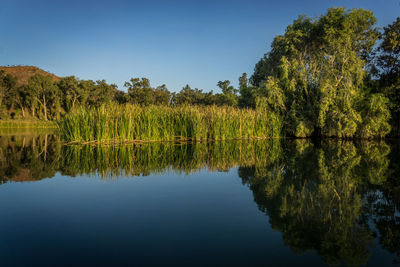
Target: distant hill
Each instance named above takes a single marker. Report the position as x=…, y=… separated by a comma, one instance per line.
x=24, y=72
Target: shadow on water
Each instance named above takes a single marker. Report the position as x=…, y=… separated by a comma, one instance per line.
x=333, y=197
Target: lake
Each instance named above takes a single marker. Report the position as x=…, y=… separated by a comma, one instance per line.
x=237, y=203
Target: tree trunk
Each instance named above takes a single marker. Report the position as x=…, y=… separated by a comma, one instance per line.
x=44, y=108
x=73, y=102
x=22, y=109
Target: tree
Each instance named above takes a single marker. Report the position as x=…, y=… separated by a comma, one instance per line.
x=229, y=94
x=375, y=114
x=161, y=95
x=139, y=91
x=314, y=74
x=87, y=87
x=72, y=91
x=100, y=92
x=8, y=87
x=42, y=90
x=121, y=97
x=388, y=68
x=3, y=88
x=193, y=97
x=247, y=93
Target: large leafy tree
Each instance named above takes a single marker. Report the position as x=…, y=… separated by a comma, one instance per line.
x=42, y=90
x=3, y=88
x=193, y=97
x=140, y=92
x=388, y=66
x=247, y=92
x=229, y=94
x=100, y=92
x=8, y=88
x=314, y=75
x=162, y=96
x=73, y=91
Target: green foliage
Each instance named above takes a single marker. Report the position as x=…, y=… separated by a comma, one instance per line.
x=114, y=123
x=375, y=116
x=314, y=75
x=8, y=92
x=229, y=94
x=388, y=67
x=42, y=91
x=140, y=92
x=247, y=93
x=101, y=93
x=189, y=96
x=75, y=92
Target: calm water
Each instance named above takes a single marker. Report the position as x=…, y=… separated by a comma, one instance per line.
x=273, y=203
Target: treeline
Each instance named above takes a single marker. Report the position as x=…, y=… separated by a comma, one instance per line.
x=46, y=98
x=335, y=76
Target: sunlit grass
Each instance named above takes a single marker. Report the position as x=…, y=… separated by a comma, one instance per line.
x=125, y=123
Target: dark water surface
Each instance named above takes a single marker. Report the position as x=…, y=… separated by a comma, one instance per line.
x=270, y=203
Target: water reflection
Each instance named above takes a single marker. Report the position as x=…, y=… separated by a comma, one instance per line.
x=29, y=157
x=335, y=198
x=25, y=158
x=321, y=196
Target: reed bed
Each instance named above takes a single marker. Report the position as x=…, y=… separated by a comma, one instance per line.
x=129, y=123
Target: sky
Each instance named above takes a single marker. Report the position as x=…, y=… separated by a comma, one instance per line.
x=170, y=42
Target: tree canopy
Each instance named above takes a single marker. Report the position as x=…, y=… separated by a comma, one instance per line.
x=314, y=76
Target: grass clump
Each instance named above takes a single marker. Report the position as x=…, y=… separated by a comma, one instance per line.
x=127, y=123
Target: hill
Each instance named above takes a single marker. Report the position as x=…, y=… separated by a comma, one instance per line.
x=23, y=73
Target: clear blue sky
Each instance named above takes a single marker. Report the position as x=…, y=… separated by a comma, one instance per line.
x=171, y=42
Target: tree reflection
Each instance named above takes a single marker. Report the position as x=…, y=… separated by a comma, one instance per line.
x=28, y=157
x=314, y=194
x=384, y=206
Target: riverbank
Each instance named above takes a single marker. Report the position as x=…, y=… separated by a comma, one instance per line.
x=27, y=124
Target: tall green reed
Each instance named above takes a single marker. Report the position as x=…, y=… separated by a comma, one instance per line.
x=124, y=123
